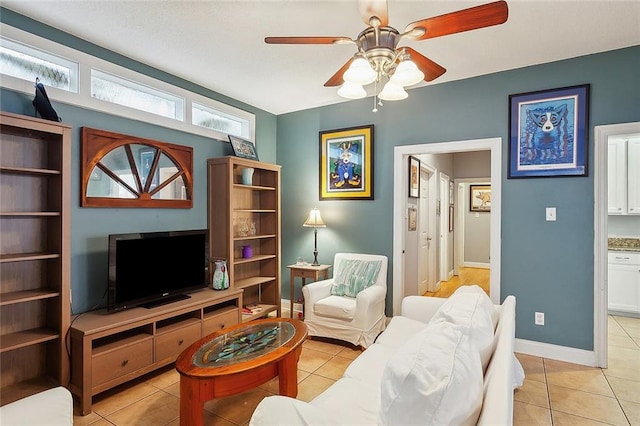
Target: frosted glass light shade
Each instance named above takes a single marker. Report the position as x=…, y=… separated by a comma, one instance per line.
x=392, y=92
x=351, y=91
x=407, y=74
x=360, y=72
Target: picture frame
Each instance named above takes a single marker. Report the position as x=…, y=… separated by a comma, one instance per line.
x=451, y=219
x=480, y=198
x=548, y=132
x=147, y=156
x=414, y=177
x=243, y=148
x=451, y=203
x=412, y=223
x=346, y=164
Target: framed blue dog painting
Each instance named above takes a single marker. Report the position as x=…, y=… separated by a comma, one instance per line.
x=346, y=164
x=548, y=132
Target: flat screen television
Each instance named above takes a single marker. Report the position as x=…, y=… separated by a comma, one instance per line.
x=153, y=268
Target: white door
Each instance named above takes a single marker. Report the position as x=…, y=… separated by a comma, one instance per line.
x=443, y=228
x=426, y=270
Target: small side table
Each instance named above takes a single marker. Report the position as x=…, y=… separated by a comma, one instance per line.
x=304, y=272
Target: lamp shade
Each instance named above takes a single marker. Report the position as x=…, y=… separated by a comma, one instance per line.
x=392, y=92
x=407, y=74
x=351, y=91
x=360, y=72
x=314, y=220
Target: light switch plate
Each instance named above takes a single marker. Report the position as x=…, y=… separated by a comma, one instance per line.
x=551, y=214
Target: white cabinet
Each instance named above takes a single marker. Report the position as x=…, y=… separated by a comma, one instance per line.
x=633, y=176
x=624, y=176
x=624, y=282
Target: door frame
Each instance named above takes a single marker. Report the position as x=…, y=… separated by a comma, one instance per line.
x=601, y=235
x=400, y=182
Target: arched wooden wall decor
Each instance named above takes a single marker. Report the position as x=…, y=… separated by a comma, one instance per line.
x=127, y=171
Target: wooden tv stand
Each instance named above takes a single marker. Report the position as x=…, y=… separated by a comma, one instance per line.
x=108, y=349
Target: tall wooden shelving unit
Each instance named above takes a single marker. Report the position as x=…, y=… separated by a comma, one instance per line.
x=241, y=215
x=35, y=166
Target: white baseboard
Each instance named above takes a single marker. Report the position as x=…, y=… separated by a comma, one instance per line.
x=477, y=265
x=559, y=353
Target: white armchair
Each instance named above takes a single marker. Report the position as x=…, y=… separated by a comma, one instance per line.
x=356, y=320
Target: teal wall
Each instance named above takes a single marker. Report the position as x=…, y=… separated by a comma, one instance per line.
x=548, y=267
x=91, y=226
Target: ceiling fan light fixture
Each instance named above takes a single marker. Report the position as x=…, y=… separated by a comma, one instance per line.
x=393, y=92
x=407, y=74
x=351, y=90
x=360, y=72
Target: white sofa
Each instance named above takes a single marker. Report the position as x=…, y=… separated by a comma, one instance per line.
x=389, y=382
x=53, y=407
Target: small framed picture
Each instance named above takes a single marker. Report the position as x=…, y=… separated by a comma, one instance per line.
x=451, y=218
x=243, y=148
x=480, y=198
x=413, y=218
x=414, y=177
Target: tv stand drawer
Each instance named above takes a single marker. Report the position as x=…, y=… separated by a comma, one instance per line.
x=220, y=321
x=170, y=345
x=119, y=362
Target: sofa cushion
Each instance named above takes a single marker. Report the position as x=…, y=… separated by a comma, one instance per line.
x=336, y=307
x=52, y=407
x=369, y=365
x=472, y=309
x=434, y=379
x=354, y=275
x=355, y=402
x=399, y=330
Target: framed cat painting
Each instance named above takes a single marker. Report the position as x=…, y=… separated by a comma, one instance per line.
x=548, y=132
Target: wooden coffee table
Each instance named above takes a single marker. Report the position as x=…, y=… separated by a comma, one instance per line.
x=239, y=358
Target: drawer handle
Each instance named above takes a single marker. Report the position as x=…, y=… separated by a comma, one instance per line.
x=221, y=326
x=125, y=362
x=622, y=258
x=180, y=342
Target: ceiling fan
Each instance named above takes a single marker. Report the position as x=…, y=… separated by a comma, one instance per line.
x=379, y=55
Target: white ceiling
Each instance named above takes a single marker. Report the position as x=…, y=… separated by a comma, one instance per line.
x=220, y=44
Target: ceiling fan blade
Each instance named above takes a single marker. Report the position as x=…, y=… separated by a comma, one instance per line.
x=336, y=79
x=374, y=8
x=430, y=69
x=306, y=40
x=473, y=18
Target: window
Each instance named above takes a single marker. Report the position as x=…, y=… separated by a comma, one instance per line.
x=217, y=120
x=111, y=88
x=27, y=63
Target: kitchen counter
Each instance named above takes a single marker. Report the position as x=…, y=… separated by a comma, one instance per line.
x=624, y=244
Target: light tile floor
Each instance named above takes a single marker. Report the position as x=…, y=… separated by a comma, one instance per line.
x=554, y=392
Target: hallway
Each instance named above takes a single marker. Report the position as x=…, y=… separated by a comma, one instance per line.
x=467, y=276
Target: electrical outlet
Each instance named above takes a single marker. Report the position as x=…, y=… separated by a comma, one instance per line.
x=539, y=319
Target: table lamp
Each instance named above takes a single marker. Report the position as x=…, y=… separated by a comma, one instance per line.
x=314, y=221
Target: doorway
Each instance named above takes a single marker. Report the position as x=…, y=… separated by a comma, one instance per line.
x=401, y=154
x=601, y=234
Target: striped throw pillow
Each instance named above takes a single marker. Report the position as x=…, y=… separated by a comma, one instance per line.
x=354, y=275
